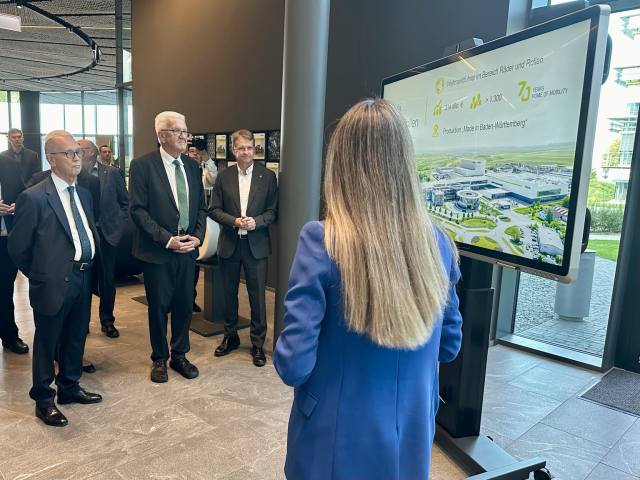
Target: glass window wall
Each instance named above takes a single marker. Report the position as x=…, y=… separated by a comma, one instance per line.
x=539, y=301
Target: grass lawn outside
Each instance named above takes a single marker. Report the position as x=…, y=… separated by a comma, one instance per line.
x=607, y=249
x=486, y=242
x=478, y=223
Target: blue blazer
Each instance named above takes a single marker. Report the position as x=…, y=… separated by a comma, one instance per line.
x=359, y=410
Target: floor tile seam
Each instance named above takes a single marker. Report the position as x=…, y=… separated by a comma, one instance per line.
x=617, y=467
x=576, y=435
x=536, y=393
x=572, y=376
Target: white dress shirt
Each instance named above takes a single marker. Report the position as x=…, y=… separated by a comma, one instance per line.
x=65, y=199
x=209, y=173
x=244, y=182
x=170, y=168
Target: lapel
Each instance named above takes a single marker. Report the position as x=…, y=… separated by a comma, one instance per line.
x=54, y=200
x=87, y=208
x=235, y=187
x=102, y=175
x=159, y=164
x=256, y=179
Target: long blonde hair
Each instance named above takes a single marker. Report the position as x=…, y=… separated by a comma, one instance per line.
x=378, y=230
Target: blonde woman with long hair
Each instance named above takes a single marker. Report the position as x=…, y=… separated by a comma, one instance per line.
x=371, y=309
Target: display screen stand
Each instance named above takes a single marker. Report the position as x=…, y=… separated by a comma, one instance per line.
x=212, y=322
x=462, y=386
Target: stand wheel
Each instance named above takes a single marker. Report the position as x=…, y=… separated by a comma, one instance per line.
x=542, y=474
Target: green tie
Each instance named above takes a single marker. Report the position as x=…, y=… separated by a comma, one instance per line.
x=183, y=204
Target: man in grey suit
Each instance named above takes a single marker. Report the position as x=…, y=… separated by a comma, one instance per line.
x=244, y=201
x=28, y=159
x=114, y=215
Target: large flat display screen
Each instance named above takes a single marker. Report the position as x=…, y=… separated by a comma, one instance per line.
x=500, y=133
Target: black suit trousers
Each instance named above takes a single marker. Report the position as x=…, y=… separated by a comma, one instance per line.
x=255, y=274
x=107, y=281
x=67, y=330
x=8, y=271
x=169, y=288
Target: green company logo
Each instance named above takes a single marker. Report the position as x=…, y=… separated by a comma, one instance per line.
x=525, y=91
x=476, y=102
x=439, y=85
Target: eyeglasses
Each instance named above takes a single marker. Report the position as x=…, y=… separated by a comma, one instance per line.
x=176, y=132
x=70, y=153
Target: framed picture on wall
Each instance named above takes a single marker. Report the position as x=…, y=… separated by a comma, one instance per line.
x=230, y=154
x=211, y=144
x=260, y=145
x=221, y=145
x=273, y=145
x=273, y=166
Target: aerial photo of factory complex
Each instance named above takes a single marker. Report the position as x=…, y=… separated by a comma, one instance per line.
x=512, y=207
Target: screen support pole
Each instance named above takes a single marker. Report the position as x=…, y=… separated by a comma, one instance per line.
x=462, y=385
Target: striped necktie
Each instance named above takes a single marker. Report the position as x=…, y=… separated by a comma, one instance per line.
x=85, y=244
x=183, y=203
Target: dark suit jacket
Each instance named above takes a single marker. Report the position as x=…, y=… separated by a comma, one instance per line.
x=12, y=184
x=114, y=203
x=29, y=164
x=85, y=180
x=262, y=206
x=41, y=245
x=154, y=210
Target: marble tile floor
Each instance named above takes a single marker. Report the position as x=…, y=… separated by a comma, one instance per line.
x=231, y=421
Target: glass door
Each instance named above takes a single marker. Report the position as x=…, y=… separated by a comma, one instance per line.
x=541, y=316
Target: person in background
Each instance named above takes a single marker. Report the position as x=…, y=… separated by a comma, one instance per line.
x=371, y=310
x=244, y=201
x=28, y=159
x=167, y=207
x=11, y=185
x=105, y=154
x=54, y=242
x=114, y=215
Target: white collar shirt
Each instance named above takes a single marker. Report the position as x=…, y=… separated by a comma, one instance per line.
x=244, y=183
x=170, y=168
x=65, y=199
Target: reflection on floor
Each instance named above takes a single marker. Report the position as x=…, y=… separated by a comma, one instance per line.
x=231, y=421
x=535, y=317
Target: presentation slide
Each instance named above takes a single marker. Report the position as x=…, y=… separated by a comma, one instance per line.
x=495, y=139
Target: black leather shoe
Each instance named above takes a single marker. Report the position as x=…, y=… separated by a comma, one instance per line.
x=110, y=331
x=81, y=396
x=16, y=347
x=88, y=368
x=159, y=371
x=196, y=307
x=51, y=416
x=228, y=344
x=259, y=358
x=184, y=368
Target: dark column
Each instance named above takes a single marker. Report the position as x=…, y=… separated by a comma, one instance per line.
x=306, y=36
x=30, y=113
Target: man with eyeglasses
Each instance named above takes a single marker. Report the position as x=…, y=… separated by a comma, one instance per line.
x=167, y=206
x=28, y=159
x=244, y=201
x=54, y=242
x=114, y=215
